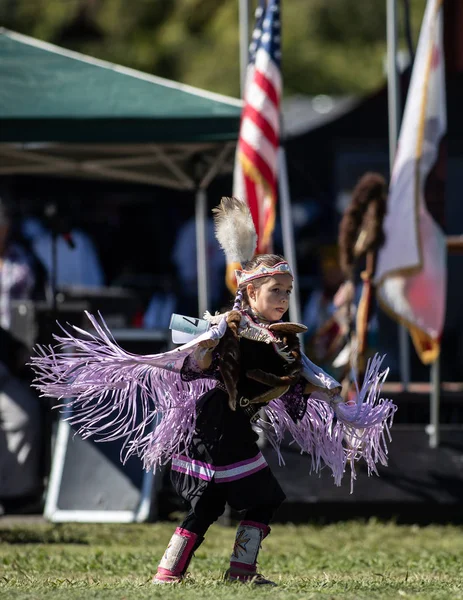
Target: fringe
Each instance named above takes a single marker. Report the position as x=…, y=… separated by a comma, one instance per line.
x=338, y=434
x=112, y=394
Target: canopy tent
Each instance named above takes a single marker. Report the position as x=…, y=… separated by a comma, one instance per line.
x=67, y=114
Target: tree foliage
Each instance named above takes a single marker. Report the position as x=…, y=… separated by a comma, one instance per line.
x=329, y=46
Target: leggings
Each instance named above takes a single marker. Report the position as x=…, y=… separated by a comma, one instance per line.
x=211, y=504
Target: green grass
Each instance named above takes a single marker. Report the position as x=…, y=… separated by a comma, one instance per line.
x=349, y=561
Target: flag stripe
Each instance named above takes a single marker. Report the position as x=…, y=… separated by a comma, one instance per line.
x=252, y=135
x=255, y=173
x=262, y=103
x=256, y=161
x=253, y=201
x=260, y=121
x=266, y=66
x=266, y=85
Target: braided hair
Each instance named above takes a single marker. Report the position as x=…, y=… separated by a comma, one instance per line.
x=229, y=349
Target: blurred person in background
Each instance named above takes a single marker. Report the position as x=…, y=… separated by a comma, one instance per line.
x=17, y=278
x=329, y=314
x=184, y=255
x=20, y=413
x=320, y=306
x=162, y=303
x=77, y=263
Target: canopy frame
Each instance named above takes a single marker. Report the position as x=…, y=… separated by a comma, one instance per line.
x=167, y=165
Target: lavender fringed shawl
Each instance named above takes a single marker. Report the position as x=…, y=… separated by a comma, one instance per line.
x=113, y=394
x=335, y=433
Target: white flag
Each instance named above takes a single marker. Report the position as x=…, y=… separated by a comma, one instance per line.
x=411, y=272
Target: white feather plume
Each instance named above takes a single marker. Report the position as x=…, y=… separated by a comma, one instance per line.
x=234, y=230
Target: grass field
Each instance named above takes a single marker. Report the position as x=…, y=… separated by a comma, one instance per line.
x=349, y=561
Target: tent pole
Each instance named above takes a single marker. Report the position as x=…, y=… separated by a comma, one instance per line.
x=393, y=91
x=288, y=233
x=201, y=250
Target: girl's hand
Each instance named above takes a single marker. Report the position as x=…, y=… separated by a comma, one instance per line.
x=334, y=394
x=335, y=391
x=233, y=321
x=209, y=344
x=203, y=353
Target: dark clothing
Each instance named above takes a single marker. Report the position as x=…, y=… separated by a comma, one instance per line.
x=210, y=505
x=225, y=438
x=257, y=355
x=223, y=463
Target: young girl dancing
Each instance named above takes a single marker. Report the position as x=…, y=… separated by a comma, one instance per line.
x=206, y=397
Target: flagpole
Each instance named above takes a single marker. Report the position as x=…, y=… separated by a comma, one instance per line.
x=244, y=41
x=393, y=91
x=201, y=250
x=433, y=428
x=289, y=249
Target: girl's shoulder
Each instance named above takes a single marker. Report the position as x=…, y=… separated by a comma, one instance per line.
x=248, y=328
x=274, y=330
x=252, y=329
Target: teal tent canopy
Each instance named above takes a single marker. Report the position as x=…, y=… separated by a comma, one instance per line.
x=70, y=115
x=52, y=94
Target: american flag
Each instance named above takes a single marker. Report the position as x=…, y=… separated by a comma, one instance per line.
x=255, y=175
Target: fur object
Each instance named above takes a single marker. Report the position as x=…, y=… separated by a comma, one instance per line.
x=292, y=348
x=361, y=228
x=234, y=230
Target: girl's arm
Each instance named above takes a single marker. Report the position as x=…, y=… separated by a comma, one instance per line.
x=202, y=363
x=203, y=353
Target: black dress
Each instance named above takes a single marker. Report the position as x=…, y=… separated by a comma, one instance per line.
x=223, y=463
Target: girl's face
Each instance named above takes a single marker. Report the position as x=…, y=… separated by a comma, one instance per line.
x=270, y=299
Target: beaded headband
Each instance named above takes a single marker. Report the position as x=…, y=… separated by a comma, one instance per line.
x=281, y=268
